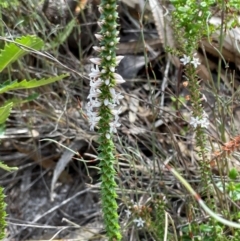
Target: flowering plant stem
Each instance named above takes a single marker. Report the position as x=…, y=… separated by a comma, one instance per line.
x=102, y=112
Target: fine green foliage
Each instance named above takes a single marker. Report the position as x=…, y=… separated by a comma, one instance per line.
x=190, y=20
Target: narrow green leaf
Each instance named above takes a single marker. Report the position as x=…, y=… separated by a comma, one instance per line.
x=5, y=112
x=25, y=84
x=62, y=36
x=13, y=51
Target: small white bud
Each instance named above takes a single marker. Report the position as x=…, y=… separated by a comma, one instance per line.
x=97, y=49
x=99, y=36
x=100, y=9
x=112, y=69
x=118, y=78
x=106, y=102
x=118, y=59
x=96, y=61
x=107, y=82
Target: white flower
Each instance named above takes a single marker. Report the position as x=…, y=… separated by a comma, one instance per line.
x=100, y=9
x=114, y=125
x=139, y=222
x=93, y=119
x=118, y=78
x=195, y=62
x=194, y=121
x=117, y=112
x=185, y=60
x=112, y=69
x=94, y=93
x=111, y=105
x=118, y=59
x=97, y=49
x=99, y=37
x=96, y=83
x=95, y=72
x=96, y=61
x=203, y=122
x=93, y=103
x=100, y=23
x=128, y=213
x=116, y=96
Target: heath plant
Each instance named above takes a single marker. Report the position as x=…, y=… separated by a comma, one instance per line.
x=103, y=111
x=191, y=26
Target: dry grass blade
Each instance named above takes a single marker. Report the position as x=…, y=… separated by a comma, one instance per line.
x=162, y=21
x=64, y=160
